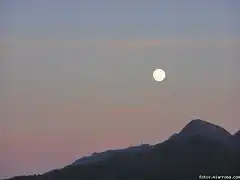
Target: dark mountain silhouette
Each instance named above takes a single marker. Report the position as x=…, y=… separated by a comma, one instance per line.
x=237, y=139
x=205, y=129
x=237, y=135
x=97, y=157
x=201, y=148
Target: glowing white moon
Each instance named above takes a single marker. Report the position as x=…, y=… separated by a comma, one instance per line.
x=159, y=75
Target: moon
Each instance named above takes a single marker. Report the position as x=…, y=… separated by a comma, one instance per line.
x=159, y=75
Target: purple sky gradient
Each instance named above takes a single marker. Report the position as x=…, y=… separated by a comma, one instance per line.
x=76, y=76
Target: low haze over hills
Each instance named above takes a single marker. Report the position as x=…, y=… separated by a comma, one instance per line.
x=201, y=148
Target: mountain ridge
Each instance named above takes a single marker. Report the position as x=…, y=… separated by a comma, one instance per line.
x=199, y=148
x=196, y=127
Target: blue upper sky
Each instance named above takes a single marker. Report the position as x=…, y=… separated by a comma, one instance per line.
x=123, y=19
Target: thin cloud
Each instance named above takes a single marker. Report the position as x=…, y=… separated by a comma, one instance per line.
x=133, y=44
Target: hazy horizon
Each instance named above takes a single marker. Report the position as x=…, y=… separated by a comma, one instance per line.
x=76, y=77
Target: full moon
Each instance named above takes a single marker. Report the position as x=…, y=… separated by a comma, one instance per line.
x=159, y=75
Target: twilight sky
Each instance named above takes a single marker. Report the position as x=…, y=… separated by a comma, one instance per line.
x=76, y=76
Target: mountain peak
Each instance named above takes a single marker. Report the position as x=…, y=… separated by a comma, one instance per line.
x=205, y=129
x=201, y=125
